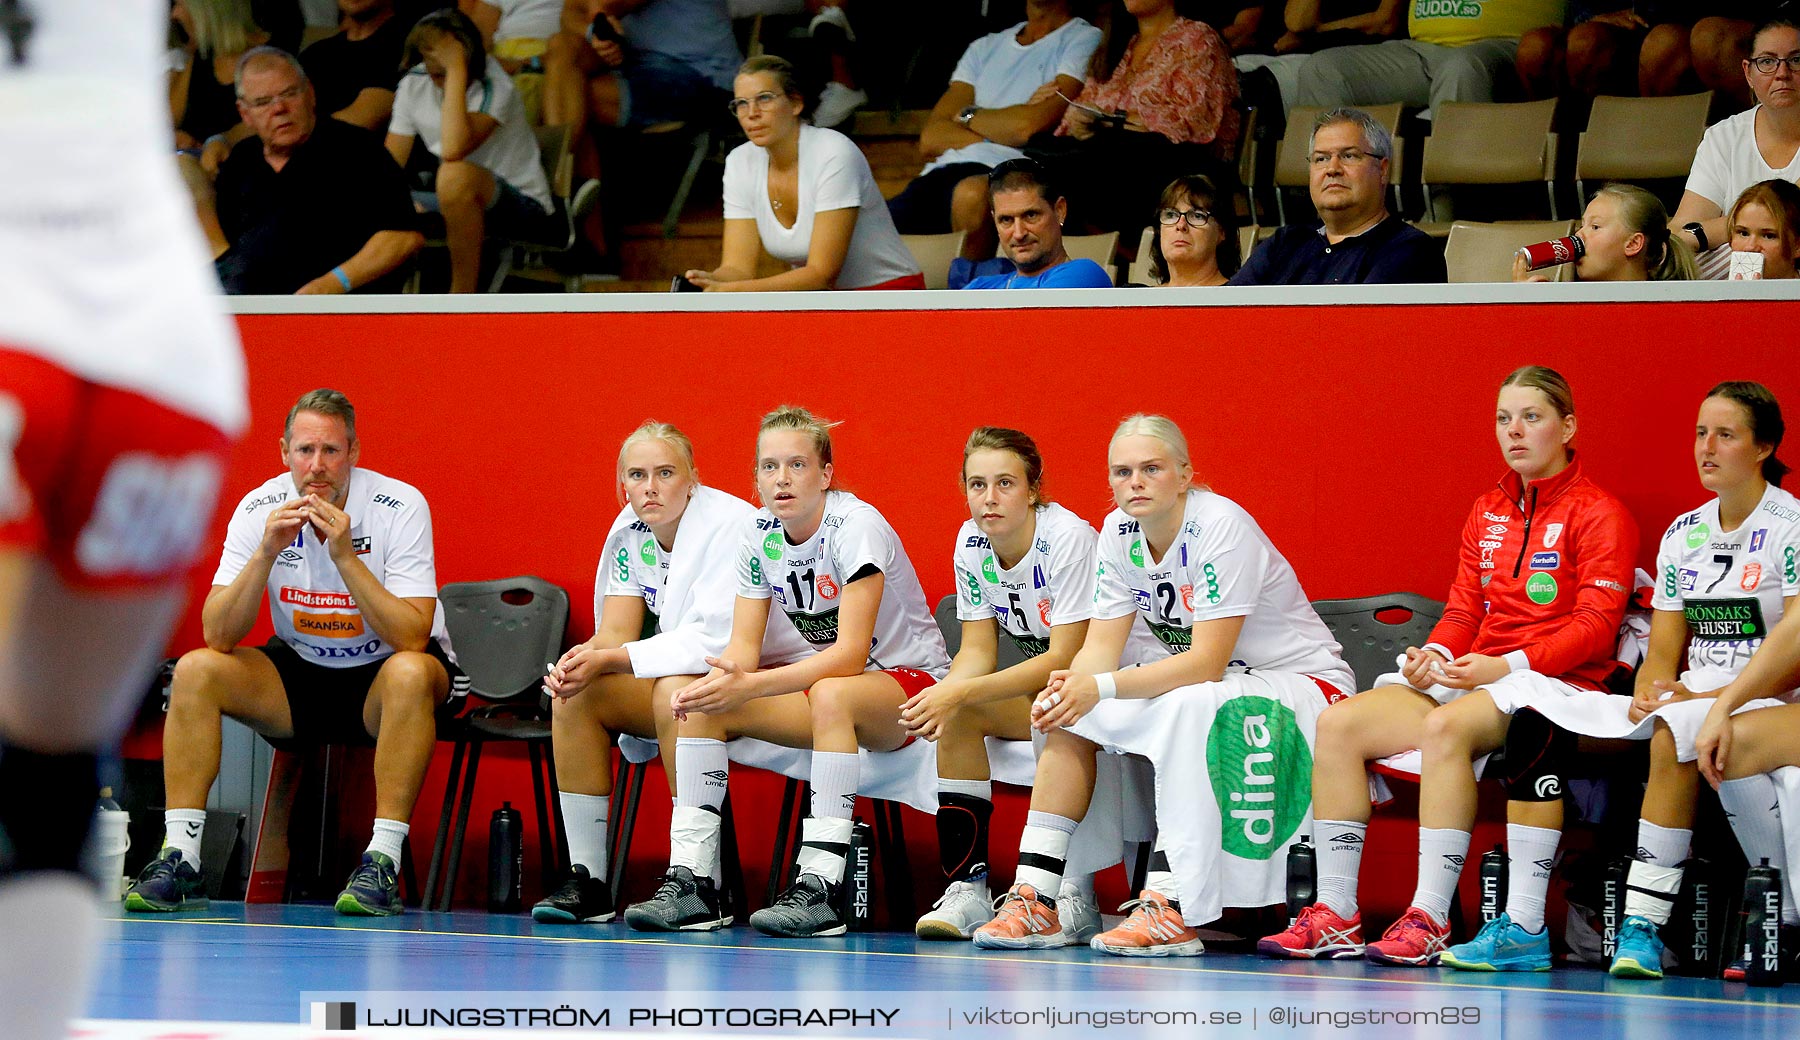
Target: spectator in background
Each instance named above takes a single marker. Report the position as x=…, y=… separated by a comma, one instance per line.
x=1599, y=52
x=1357, y=240
x=1028, y=213
x=516, y=33
x=286, y=222
x=1244, y=25
x=831, y=35
x=1719, y=43
x=1310, y=26
x=490, y=179
x=1753, y=146
x=1196, y=239
x=202, y=102
x=990, y=110
x=1455, y=51
x=1165, y=109
x=1766, y=220
x=354, y=71
x=1626, y=232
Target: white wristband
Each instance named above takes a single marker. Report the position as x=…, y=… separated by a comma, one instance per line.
x=1108, y=685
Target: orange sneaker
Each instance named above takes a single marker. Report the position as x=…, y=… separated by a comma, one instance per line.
x=1154, y=929
x=1023, y=920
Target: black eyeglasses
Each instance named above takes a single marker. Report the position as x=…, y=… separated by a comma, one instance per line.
x=1768, y=63
x=1196, y=218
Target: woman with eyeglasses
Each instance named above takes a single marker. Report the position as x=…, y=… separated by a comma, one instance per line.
x=1766, y=219
x=1196, y=241
x=1626, y=238
x=1753, y=146
x=804, y=194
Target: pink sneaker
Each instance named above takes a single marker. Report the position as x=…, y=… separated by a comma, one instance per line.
x=1318, y=934
x=1413, y=941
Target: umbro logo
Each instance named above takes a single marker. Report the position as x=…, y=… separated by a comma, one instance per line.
x=1544, y=864
x=1642, y=855
x=1455, y=861
x=1347, y=838
x=717, y=776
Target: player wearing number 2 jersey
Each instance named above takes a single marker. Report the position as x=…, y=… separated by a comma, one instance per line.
x=1241, y=647
x=836, y=569
x=121, y=388
x=662, y=606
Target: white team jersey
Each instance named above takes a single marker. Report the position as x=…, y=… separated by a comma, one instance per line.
x=1221, y=565
x=390, y=528
x=105, y=271
x=1730, y=584
x=807, y=579
x=1053, y=584
x=633, y=562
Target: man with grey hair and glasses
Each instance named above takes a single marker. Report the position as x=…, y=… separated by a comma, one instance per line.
x=306, y=206
x=1356, y=240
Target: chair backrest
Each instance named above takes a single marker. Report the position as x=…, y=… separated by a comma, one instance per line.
x=1290, y=155
x=1139, y=272
x=558, y=160
x=1489, y=143
x=1101, y=249
x=1007, y=652
x=1374, y=630
x=1632, y=139
x=1484, y=252
x=933, y=254
x=1248, y=236
x=504, y=632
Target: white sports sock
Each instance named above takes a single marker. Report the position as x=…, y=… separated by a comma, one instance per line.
x=1441, y=855
x=182, y=829
x=1339, y=851
x=1530, y=853
x=1662, y=846
x=1755, y=815
x=388, y=838
x=701, y=770
x=982, y=789
x=835, y=775
x=584, y=822
x=825, y=845
x=53, y=930
x=1043, y=848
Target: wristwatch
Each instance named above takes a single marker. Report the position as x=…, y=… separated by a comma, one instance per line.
x=1694, y=228
x=966, y=116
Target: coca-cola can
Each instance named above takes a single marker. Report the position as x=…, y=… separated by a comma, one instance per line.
x=1552, y=253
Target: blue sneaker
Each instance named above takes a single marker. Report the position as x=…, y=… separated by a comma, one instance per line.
x=167, y=883
x=1501, y=946
x=1640, y=951
x=373, y=890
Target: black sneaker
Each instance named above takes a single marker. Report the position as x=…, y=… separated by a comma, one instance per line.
x=581, y=900
x=373, y=889
x=806, y=910
x=167, y=883
x=683, y=903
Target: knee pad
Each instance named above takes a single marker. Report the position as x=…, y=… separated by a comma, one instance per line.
x=46, y=810
x=1537, y=754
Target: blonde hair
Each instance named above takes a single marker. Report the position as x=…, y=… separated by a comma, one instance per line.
x=793, y=417
x=1161, y=427
x=221, y=26
x=658, y=431
x=1547, y=381
x=1666, y=257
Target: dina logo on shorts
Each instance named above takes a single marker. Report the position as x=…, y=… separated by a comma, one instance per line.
x=1261, y=771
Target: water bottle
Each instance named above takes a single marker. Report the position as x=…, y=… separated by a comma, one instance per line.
x=858, y=895
x=1694, y=947
x=106, y=803
x=506, y=861
x=1612, y=907
x=1493, y=883
x=1762, y=925
x=1302, y=877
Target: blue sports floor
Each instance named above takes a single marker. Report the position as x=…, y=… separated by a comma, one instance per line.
x=241, y=964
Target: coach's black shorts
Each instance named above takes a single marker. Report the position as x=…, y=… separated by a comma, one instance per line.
x=326, y=704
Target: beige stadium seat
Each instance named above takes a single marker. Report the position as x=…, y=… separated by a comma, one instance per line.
x=1139, y=272
x=933, y=254
x=1484, y=252
x=1290, y=154
x=1637, y=139
x=1101, y=249
x=1484, y=143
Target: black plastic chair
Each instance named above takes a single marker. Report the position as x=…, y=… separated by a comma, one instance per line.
x=504, y=632
x=1375, y=629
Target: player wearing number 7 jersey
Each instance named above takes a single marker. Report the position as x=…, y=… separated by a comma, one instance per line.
x=837, y=570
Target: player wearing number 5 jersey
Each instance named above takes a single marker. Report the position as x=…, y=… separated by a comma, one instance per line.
x=1024, y=572
x=121, y=390
x=1533, y=618
x=837, y=570
x=1245, y=666
x=662, y=606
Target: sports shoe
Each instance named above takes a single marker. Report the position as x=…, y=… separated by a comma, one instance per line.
x=1022, y=921
x=373, y=889
x=582, y=899
x=1318, y=934
x=808, y=909
x=1414, y=941
x=1079, y=915
x=964, y=907
x=682, y=903
x=838, y=103
x=167, y=883
x=1739, y=967
x=1639, y=952
x=1501, y=945
x=1154, y=929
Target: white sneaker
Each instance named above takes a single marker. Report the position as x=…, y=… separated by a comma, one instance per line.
x=1080, y=917
x=837, y=102
x=964, y=907
x=832, y=16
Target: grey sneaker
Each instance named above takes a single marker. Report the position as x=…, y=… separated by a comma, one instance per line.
x=806, y=910
x=683, y=903
x=1080, y=918
x=964, y=907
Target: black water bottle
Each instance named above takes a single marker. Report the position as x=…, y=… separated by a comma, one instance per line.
x=1612, y=906
x=1762, y=925
x=858, y=894
x=1493, y=883
x=506, y=861
x=1302, y=877
x=1694, y=946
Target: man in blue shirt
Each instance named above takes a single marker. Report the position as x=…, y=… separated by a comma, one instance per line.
x=1028, y=215
x=1357, y=240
